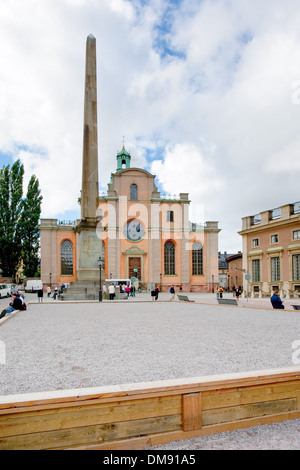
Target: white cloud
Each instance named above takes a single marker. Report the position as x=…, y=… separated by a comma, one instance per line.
x=195, y=171
x=224, y=96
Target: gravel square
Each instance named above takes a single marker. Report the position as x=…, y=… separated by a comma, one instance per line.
x=76, y=345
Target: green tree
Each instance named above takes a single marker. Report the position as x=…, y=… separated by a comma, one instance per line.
x=19, y=218
x=11, y=205
x=29, y=227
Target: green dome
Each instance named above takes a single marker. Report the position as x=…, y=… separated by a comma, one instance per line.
x=123, y=153
x=123, y=159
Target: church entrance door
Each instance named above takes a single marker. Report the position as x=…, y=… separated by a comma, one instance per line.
x=135, y=263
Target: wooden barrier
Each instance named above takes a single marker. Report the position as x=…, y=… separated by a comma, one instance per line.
x=138, y=415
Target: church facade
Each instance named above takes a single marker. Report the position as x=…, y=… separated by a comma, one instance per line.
x=141, y=234
x=136, y=231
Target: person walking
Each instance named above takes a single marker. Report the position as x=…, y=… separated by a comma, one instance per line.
x=40, y=295
x=111, y=291
x=172, y=292
x=220, y=292
x=55, y=292
x=104, y=291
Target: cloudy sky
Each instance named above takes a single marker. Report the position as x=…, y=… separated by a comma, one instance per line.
x=206, y=93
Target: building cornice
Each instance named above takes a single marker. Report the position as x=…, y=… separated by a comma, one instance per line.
x=271, y=225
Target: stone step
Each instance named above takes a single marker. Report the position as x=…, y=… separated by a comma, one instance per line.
x=84, y=290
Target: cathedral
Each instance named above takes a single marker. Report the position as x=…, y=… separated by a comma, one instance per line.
x=137, y=232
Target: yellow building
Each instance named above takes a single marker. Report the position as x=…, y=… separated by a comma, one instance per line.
x=271, y=251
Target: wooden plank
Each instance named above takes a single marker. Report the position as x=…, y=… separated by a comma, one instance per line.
x=222, y=398
x=89, y=435
x=133, y=410
x=176, y=386
x=235, y=413
x=88, y=415
x=191, y=412
x=164, y=438
x=222, y=381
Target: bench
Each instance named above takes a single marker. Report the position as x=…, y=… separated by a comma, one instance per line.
x=227, y=301
x=296, y=307
x=184, y=298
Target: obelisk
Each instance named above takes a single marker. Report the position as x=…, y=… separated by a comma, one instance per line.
x=90, y=187
x=89, y=244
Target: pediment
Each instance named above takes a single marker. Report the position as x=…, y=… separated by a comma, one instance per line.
x=134, y=250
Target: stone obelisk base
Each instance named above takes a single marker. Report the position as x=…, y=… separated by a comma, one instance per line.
x=89, y=250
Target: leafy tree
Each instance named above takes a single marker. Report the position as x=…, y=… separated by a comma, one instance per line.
x=29, y=227
x=19, y=235
x=11, y=203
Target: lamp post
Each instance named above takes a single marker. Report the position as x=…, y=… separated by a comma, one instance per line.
x=100, y=264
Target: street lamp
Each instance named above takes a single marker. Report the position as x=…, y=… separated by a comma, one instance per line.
x=100, y=264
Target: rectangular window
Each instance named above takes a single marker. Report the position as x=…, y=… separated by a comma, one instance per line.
x=170, y=216
x=296, y=208
x=256, y=219
x=256, y=270
x=296, y=267
x=274, y=238
x=296, y=234
x=197, y=259
x=255, y=242
x=275, y=213
x=275, y=269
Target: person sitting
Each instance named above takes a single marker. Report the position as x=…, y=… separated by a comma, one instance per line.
x=276, y=300
x=15, y=304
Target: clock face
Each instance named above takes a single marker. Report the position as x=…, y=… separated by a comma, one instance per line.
x=134, y=231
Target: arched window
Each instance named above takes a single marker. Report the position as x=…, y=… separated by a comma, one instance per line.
x=197, y=259
x=169, y=258
x=66, y=257
x=133, y=192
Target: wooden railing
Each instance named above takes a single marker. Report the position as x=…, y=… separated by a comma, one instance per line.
x=138, y=415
